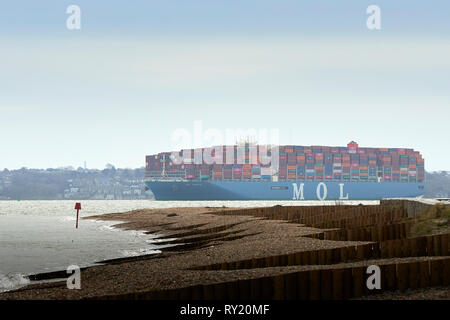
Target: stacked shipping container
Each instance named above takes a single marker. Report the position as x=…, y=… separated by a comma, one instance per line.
x=314, y=163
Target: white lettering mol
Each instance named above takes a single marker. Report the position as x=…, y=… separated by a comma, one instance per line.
x=298, y=192
x=341, y=192
x=321, y=195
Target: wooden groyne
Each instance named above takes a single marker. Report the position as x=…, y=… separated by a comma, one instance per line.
x=413, y=207
x=405, y=262
x=327, y=283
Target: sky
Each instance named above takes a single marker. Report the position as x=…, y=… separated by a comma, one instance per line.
x=137, y=72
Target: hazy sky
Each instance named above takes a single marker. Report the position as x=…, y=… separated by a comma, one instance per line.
x=117, y=89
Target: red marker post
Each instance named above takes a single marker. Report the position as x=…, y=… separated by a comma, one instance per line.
x=78, y=208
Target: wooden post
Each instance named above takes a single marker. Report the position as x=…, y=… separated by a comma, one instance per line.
x=421, y=246
x=244, y=289
x=208, y=292
x=267, y=288
x=367, y=236
x=446, y=273
x=344, y=254
x=368, y=253
x=397, y=248
x=402, y=276
x=383, y=249
x=338, y=279
x=376, y=253
x=347, y=283
x=383, y=278
x=390, y=276
x=385, y=233
x=326, y=284
x=303, y=285
x=360, y=233
x=414, y=276
x=220, y=291
x=373, y=234
x=321, y=257
x=437, y=245
x=185, y=293
x=413, y=247
x=380, y=234
x=291, y=259
x=437, y=268
x=305, y=258
x=232, y=290
x=283, y=259
x=358, y=281
x=164, y=294
x=314, y=284
x=174, y=294
x=278, y=287
x=298, y=259
x=429, y=246
x=261, y=262
x=396, y=231
x=350, y=235
x=406, y=248
x=197, y=292
x=255, y=289
x=444, y=244
x=329, y=256
x=351, y=253
x=312, y=257
x=360, y=252
x=336, y=255
x=390, y=249
x=390, y=228
x=275, y=261
x=290, y=286
x=424, y=271
x=78, y=208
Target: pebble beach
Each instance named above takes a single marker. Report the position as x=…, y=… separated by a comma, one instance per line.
x=197, y=239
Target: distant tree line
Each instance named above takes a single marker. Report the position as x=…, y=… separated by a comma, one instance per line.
x=50, y=184
x=437, y=184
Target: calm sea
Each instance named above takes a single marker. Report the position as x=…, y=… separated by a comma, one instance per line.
x=40, y=236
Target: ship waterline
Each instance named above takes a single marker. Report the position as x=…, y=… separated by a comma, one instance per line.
x=282, y=190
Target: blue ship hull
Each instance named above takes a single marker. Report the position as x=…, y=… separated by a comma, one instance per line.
x=283, y=190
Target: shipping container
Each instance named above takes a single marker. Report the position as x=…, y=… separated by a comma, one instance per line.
x=295, y=162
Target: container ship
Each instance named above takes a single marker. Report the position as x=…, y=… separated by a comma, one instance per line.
x=262, y=172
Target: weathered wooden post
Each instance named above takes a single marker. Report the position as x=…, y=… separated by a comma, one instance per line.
x=78, y=208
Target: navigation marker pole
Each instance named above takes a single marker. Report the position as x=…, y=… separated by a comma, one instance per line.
x=78, y=208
